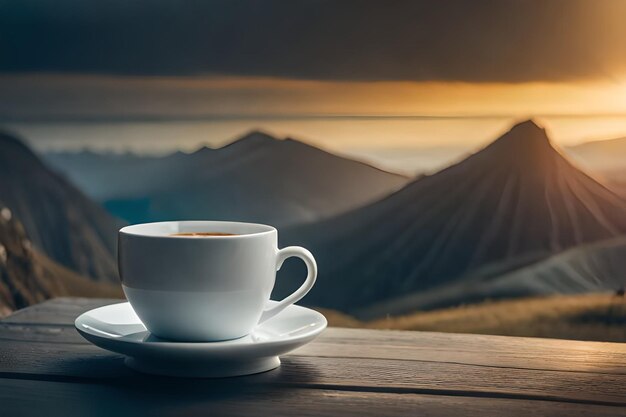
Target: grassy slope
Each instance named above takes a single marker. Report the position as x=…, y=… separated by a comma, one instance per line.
x=584, y=317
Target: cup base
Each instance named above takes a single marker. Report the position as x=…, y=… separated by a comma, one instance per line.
x=213, y=370
x=197, y=316
x=200, y=339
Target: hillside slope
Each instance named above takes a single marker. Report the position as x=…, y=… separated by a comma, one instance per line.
x=61, y=221
x=28, y=277
x=588, y=268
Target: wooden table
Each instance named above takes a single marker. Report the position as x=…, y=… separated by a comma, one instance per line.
x=46, y=368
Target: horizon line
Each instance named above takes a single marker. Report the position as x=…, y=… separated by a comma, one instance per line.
x=319, y=116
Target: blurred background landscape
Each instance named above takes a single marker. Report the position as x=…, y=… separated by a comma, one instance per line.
x=453, y=165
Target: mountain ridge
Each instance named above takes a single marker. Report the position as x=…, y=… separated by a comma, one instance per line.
x=256, y=178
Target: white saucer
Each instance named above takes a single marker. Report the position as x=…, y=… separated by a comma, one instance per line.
x=117, y=328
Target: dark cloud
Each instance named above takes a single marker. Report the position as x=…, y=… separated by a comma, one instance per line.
x=496, y=40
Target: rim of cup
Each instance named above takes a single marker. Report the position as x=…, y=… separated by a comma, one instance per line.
x=143, y=229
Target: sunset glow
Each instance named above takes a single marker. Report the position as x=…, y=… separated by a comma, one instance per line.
x=183, y=97
x=387, y=123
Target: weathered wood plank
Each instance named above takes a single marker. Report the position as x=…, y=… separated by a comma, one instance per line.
x=62, y=310
x=424, y=347
x=176, y=397
x=80, y=362
x=509, y=352
x=40, y=343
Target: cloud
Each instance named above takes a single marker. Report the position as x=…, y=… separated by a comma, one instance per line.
x=473, y=41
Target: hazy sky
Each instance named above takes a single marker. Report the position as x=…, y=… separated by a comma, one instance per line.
x=241, y=61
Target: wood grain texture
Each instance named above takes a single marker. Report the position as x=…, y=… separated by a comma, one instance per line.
x=471, y=349
x=62, y=310
x=79, y=362
x=71, y=399
x=365, y=372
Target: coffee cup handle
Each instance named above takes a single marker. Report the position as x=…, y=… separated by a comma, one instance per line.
x=306, y=286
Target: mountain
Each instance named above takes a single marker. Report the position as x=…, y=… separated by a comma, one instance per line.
x=256, y=178
x=101, y=175
x=513, y=203
x=28, y=277
x=601, y=155
x=60, y=220
x=607, y=159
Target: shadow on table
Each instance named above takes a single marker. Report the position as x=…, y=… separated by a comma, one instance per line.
x=103, y=385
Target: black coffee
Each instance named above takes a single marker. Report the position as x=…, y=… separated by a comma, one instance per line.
x=200, y=234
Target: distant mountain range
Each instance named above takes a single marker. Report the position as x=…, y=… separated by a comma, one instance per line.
x=28, y=276
x=59, y=219
x=607, y=159
x=256, y=178
x=517, y=218
x=601, y=155
x=515, y=202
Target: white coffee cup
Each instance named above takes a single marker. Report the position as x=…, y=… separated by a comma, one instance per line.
x=205, y=288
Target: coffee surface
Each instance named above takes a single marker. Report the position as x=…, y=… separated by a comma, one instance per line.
x=200, y=234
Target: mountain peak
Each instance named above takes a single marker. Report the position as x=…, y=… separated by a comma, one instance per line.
x=529, y=124
x=526, y=141
x=251, y=139
x=203, y=150
x=527, y=131
x=257, y=137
